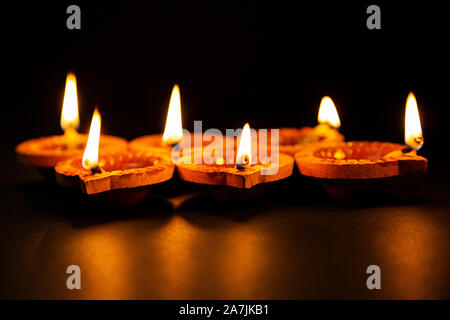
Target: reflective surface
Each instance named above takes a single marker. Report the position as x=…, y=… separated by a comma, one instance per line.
x=289, y=245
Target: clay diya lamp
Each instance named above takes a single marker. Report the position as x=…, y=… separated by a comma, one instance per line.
x=358, y=169
x=176, y=191
x=45, y=152
x=292, y=140
x=122, y=177
x=233, y=175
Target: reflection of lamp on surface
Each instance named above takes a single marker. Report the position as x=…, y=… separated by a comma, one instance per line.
x=178, y=244
x=106, y=256
x=410, y=246
x=245, y=264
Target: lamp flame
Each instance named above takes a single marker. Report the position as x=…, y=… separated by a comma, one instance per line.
x=173, y=132
x=328, y=113
x=244, y=152
x=90, y=156
x=69, y=113
x=413, y=129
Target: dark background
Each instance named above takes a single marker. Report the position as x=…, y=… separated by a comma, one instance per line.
x=266, y=63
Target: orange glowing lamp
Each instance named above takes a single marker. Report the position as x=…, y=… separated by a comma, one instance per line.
x=413, y=129
x=90, y=155
x=366, y=160
x=246, y=171
x=328, y=113
x=293, y=140
x=173, y=131
x=244, y=152
x=118, y=169
x=46, y=152
x=69, y=115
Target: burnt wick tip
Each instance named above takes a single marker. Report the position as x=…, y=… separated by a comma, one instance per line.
x=96, y=169
x=407, y=150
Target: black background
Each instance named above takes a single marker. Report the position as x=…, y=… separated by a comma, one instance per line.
x=266, y=63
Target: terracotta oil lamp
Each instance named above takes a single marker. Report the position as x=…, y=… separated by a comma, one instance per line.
x=243, y=170
x=176, y=192
x=45, y=152
x=124, y=172
x=348, y=167
x=293, y=140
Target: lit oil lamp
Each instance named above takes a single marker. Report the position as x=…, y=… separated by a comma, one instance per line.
x=368, y=161
x=245, y=171
x=173, y=131
x=293, y=140
x=119, y=170
x=45, y=152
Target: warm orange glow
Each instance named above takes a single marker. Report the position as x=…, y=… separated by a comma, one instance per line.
x=244, y=152
x=328, y=113
x=90, y=156
x=108, y=254
x=173, y=132
x=413, y=129
x=69, y=114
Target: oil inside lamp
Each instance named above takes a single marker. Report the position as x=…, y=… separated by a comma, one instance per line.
x=244, y=152
x=90, y=155
x=173, y=131
x=69, y=114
